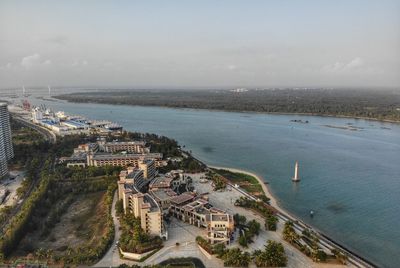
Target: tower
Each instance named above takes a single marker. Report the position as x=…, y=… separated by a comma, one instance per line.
x=6, y=149
x=296, y=172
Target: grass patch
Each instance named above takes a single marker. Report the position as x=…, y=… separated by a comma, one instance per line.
x=245, y=181
x=183, y=263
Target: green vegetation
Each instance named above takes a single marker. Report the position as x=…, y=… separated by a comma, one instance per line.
x=133, y=238
x=340, y=255
x=205, y=244
x=234, y=257
x=51, y=190
x=182, y=263
x=247, y=230
x=19, y=224
x=188, y=163
x=307, y=242
x=119, y=207
x=219, y=182
x=381, y=104
x=273, y=255
x=188, y=262
x=265, y=210
x=270, y=222
x=245, y=181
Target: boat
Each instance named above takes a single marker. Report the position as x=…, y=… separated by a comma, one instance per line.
x=296, y=173
x=311, y=213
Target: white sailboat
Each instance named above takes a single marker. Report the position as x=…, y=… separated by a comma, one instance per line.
x=296, y=177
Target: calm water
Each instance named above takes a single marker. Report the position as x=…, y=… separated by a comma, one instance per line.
x=351, y=179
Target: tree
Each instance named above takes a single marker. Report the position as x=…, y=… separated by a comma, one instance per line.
x=243, y=240
x=270, y=222
x=239, y=219
x=219, y=250
x=289, y=234
x=275, y=254
x=119, y=207
x=254, y=227
x=236, y=258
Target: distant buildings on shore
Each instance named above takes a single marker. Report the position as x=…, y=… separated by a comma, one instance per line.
x=6, y=148
x=62, y=124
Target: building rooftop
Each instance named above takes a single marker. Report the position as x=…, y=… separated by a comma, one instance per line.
x=125, y=142
x=161, y=182
x=151, y=203
x=162, y=194
x=107, y=156
x=182, y=199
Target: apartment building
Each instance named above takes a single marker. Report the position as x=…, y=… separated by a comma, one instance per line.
x=6, y=148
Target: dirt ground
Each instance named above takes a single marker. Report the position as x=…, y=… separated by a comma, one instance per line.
x=82, y=224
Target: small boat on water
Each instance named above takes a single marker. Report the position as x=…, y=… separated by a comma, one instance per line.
x=311, y=213
x=296, y=177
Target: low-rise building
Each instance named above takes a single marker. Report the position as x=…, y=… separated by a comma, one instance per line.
x=199, y=212
x=92, y=154
x=163, y=197
x=137, y=147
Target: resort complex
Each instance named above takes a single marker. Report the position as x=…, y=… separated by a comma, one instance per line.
x=164, y=199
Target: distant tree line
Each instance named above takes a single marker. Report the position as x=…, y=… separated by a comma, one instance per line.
x=380, y=103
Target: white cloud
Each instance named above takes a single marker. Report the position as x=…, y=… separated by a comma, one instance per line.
x=355, y=63
x=34, y=60
x=352, y=65
x=28, y=61
x=232, y=67
x=77, y=63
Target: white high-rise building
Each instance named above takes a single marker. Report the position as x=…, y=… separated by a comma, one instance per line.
x=6, y=148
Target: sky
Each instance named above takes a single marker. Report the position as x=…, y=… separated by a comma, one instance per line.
x=200, y=44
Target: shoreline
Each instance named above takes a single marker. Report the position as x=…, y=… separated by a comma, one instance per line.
x=357, y=259
x=240, y=111
x=274, y=202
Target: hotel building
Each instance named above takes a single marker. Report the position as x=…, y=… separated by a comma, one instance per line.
x=93, y=154
x=137, y=147
x=142, y=205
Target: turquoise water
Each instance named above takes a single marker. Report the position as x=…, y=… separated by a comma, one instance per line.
x=351, y=179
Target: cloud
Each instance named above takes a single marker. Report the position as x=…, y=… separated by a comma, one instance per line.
x=78, y=63
x=354, y=64
x=232, y=67
x=58, y=39
x=28, y=61
x=34, y=60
